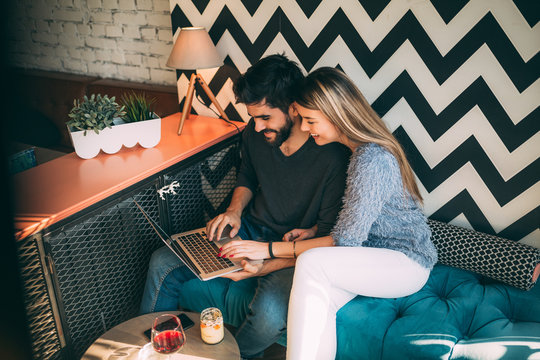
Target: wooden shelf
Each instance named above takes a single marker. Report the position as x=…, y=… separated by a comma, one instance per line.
x=66, y=185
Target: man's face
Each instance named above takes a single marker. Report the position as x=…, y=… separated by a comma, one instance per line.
x=272, y=122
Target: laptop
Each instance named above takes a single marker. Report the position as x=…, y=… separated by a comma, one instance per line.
x=196, y=252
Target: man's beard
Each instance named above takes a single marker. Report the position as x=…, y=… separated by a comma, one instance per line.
x=281, y=134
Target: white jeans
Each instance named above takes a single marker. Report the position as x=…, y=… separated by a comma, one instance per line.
x=327, y=278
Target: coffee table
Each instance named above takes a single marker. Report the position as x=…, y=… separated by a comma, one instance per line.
x=125, y=340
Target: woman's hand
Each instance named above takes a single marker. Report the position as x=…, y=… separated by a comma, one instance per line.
x=254, y=250
x=300, y=234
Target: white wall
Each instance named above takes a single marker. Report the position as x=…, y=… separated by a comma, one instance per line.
x=121, y=39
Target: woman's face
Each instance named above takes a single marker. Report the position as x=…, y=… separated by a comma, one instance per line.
x=318, y=126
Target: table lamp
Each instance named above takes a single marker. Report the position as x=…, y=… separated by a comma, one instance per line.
x=194, y=50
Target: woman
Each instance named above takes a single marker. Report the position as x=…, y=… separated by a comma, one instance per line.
x=380, y=245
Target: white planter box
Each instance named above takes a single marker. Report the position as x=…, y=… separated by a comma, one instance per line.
x=147, y=133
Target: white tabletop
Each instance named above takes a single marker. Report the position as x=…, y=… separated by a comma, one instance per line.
x=126, y=340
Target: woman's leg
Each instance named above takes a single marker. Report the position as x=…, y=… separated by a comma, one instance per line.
x=325, y=279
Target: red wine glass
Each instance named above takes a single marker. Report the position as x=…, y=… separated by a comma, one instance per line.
x=167, y=334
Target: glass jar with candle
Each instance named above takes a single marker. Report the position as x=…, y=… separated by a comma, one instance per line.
x=212, y=326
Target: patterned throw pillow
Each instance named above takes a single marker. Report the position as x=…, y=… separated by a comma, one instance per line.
x=501, y=259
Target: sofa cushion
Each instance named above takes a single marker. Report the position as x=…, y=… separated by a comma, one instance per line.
x=458, y=314
x=505, y=260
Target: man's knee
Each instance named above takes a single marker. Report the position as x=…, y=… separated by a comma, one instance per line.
x=269, y=312
x=263, y=325
x=162, y=259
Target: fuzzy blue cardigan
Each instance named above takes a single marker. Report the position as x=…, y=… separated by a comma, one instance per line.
x=378, y=212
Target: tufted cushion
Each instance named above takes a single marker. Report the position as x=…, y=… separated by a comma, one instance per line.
x=457, y=315
x=501, y=259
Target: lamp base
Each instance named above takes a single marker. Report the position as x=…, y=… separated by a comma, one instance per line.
x=189, y=99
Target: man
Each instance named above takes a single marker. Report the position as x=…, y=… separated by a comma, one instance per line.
x=288, y=188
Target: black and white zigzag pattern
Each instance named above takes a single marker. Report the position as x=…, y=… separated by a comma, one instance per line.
x=456, y=81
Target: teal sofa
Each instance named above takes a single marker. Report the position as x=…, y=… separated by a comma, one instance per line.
x=458, y=314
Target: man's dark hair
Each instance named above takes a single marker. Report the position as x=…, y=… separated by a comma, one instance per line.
x=273, y=80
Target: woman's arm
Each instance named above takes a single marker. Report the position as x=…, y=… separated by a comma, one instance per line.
x=256, y=250
x=295, y=248
x=374, y=176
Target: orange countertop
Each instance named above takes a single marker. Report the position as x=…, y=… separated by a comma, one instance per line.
x=52, y=191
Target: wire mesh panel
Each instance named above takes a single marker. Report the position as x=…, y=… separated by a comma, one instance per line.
x=204, y=189
x=43, y=330
x=101, y=263
x=99, y=260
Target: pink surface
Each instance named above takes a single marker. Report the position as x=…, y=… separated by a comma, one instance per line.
x=61, y=187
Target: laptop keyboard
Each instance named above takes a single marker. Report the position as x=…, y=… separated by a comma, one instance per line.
x=205, y=251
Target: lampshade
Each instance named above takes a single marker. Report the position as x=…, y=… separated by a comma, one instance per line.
x=194, y=50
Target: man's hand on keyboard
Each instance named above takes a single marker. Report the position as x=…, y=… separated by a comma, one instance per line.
x=215, y=227
x=250, y=269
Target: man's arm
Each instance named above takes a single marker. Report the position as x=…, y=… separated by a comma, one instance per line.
x=333, y=191
x=272, y=265
x=241, y=197
x=265, y=268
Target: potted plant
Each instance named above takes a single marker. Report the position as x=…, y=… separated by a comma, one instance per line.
x=99, y=123
x=138, y=107
x=94, y=113
x=141, y=123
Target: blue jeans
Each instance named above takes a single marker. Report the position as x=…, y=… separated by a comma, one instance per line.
x=266, y=317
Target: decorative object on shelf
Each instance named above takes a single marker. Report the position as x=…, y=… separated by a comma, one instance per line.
x=138, y=107
x=168, y=189
x=194, y=50
x=110, y=131
x=94, y=113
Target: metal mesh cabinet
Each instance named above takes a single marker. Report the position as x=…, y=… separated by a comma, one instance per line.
x=86, y=274
x=100, y=262
x=40, y=306
x=205, y=189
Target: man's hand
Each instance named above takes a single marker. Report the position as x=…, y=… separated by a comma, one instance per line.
x=216, y=226
x=250, y=270
x=300, y=234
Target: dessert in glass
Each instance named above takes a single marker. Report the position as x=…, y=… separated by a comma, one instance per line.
x=212, y=326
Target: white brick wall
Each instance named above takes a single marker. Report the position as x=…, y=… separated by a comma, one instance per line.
x=120, y=39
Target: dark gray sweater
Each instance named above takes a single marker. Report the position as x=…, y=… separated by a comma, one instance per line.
x=296, y=191
x=378, y=212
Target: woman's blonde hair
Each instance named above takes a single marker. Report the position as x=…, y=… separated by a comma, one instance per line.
x=330, y=91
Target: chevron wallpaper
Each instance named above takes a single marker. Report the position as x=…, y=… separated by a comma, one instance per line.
x=456, y=81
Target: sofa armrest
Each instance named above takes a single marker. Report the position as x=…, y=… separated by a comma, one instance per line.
x=501, y=259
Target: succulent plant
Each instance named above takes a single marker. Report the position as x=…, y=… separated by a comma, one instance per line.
x=138, y=107
x=94, y=113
